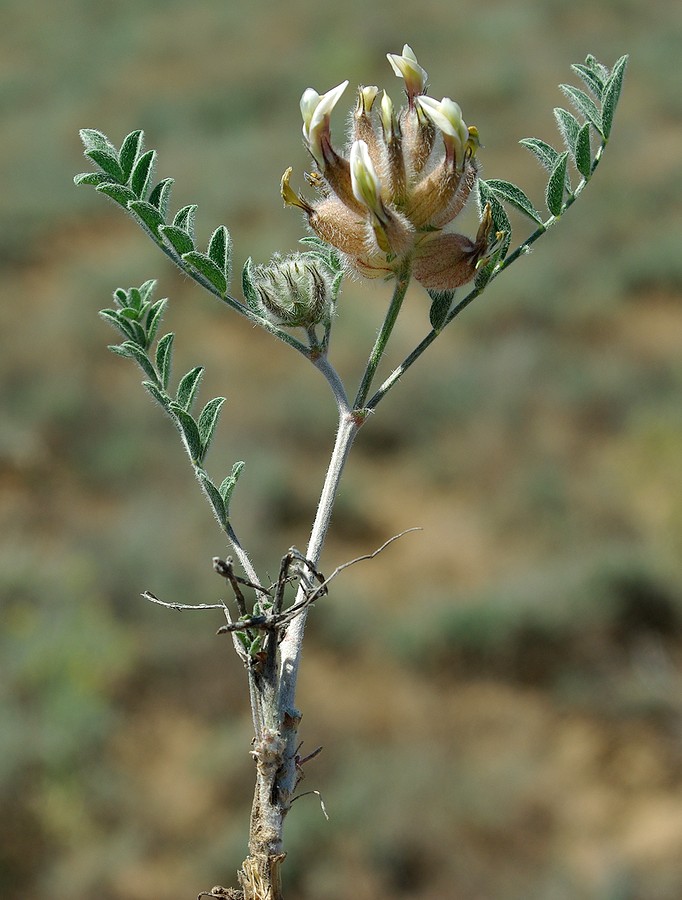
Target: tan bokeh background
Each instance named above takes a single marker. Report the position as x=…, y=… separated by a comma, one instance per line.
x=498, y=695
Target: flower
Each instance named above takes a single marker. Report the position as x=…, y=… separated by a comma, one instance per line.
x=395, y=195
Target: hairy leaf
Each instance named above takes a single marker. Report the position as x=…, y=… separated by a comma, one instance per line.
x=138, y=354
x=206, y=267
x=130, y=150
x=556, y=185
x=118, y=192
x=160, y=196
x=583, y=152
x=545, y=153
x=120, y=323
x=249, y=291
x=612, y=94
x=160, y=396
x=584, y=104
x=107, y=163
x=164, y=357
x=208, y=421
x=154, y=317
x=214, y=497
x=147, y=289
x=569, y=128
x=590, y=78
x=188, y=387
x=184, y=218
x=97, y=140
x=178, y=239
x=512, y=194
x=220, y=251
x=147, y=214
x=228, y=485
x=189, y=431
x=94, y=178
x=142, y=174
x=487, y=197
x=441, y=301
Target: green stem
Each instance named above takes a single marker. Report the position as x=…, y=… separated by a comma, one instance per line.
x=402, y=282
x=521, y=250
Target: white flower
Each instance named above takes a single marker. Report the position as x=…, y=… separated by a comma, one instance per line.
x=316, y=109
x=407, y=67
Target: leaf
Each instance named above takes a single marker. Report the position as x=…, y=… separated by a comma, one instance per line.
x=188, y=430
x=147, y=289
x=214, y=497
x=160, y=196
x=500, y=218
x=249, y=291
x=164, y=357
x=96, y=140
x=188, y=387
x=138, y=354
x=612, y=94
x=228, y=485
x=107, y=163
x=545, y=153
x=220, y=251
x=185, y=217
x=118, y=192
x=120, y=323
x=208, y=421
x=178, y=238
x=147, y=214
x=92, y=178
x=512, y=194
x=206, y=267
x=584, y=104
x=599, y=70
x=130, y=150
x=583, y=152
x=556, y=186
x=160, y=396
x=154, y=317
x=590, y=78
x=142, y=174
x=441, y=301
x=569, y=127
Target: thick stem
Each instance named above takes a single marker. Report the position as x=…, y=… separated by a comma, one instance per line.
x=275, y=688
x=290, y=648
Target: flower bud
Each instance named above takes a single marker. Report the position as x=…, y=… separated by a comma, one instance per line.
x=294, y=291
x=407, y=67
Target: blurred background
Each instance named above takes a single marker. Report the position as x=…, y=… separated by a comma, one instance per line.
x=498, y=695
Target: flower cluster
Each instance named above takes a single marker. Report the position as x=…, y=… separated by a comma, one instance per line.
x=400, y=187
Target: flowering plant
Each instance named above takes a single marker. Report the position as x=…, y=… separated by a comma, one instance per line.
x=386, y=210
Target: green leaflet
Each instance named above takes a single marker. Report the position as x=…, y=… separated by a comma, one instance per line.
x=188, y=387
x=556, y=186
x=164, y=358
x=130, y=150
x=512, y=194
x=206, y=267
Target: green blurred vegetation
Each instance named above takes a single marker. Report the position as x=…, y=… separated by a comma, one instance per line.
x=499, y=697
